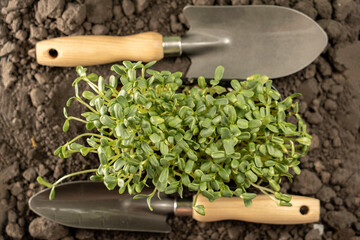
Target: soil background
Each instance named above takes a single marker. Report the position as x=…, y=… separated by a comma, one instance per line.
x=32, y=98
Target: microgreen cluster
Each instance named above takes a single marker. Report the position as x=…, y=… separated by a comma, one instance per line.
x=215, y=142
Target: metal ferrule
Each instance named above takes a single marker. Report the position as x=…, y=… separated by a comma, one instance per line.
x=183, y=207
x=172, y=46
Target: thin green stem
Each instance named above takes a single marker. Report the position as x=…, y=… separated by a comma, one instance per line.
x=77, y=119
x=85, y=104
x=196, y=197
x=73, y=174
x=262, y=188
x=88, y=134
x=272, y=198
x=92, y=85
x=129, y=179
x=114, y=158
x=95, y=88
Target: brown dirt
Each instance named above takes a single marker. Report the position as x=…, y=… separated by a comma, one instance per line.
x=32, y=98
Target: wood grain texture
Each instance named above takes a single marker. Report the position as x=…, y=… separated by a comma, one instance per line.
x=263, y=210
x=93, y=50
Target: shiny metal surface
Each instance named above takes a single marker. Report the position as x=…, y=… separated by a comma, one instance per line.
x=271, y=40
x=172, y=46
x=183, y=207
x=85, y=204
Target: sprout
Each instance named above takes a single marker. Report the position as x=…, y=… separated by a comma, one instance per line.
x=204, y=138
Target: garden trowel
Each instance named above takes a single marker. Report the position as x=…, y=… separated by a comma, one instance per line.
x=91, y=205
x=271, y=40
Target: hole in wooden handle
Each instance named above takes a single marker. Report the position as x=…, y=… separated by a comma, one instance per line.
x=53, y=53
x=304, y=210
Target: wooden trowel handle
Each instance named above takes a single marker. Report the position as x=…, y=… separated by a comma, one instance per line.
x=93, y=50
x=262, y=210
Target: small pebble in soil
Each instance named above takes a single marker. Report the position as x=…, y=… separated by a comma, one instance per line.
x=340, y=176
x=118, y=14
x=14, y=230
x=8, y=48
x=325, y=177
x=309, y=89
x=38, y=33
x=50, y=9
x=128, y=7
x=310, y=71
x=9, y=173
x=12, y=216
x=42, y=78
x=46, y=229
x=99, y=11
x=337, y=89
x=42, y=170
x=326, y=194
x=343, y=8
x=4, y=193
x=37, y=96
x=334, y=29
x=307, y=183
x=139, y=24
x=339, y=219
x=324, y=67
x=252, y=236
x=330, y=105
x=21, y=35
x=234, y=232
x=313, y=235
x=338, y=201
x=336, y=142
x=29, y=174
x=323, y=8
x=338, y=78
x=16, y=188
x=141, y=5
x=73, y=16
x=307, y=8
x=8, y=73
x=315, y=142
x=314, y=117
x=99, y=29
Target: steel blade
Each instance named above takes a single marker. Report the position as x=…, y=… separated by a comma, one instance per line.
x=91, y=205
x=271, y=40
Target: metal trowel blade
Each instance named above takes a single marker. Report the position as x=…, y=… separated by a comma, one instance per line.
x=246, y=40
x=91, y=205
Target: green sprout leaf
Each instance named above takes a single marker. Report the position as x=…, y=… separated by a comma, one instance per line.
x=110, y=182
x=219, y=72
x=52, y=193
x=202, y=82
x=156, y=120
x=66, y=125
x=43, y=182
x=304, y=141
x=88, y=95
x=200, y=209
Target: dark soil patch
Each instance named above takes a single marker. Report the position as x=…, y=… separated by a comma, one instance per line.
x=32, y=98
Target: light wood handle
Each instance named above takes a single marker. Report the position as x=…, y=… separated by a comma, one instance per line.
x=93, y=50
x=262, y=210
